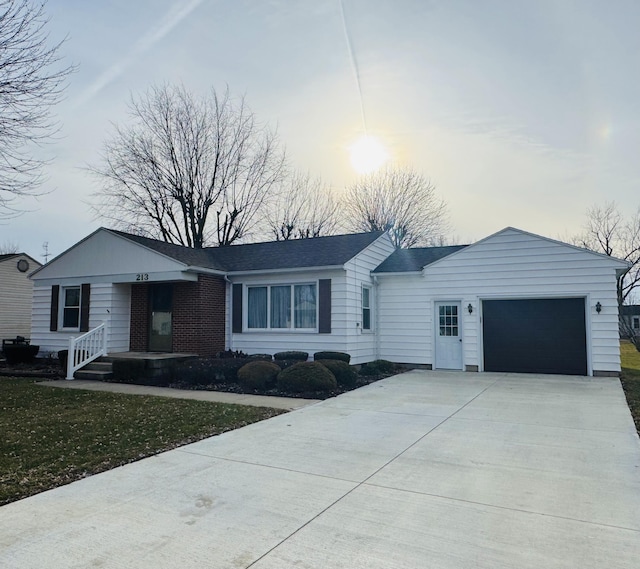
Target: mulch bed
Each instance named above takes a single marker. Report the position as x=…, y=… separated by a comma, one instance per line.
x=230, y=387
x=45, y=368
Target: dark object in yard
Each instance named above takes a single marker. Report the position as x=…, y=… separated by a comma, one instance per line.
x=18, y=350
x=332, y=356
x=306, y=377
x=292, y=355
x=63, y=356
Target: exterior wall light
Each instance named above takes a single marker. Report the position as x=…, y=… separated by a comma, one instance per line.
x=598, y=307
x=470, y=308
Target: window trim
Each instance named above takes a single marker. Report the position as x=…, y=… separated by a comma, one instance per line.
x=63, y=307
x=635, y=322
x=369, y=308
x=289, y=330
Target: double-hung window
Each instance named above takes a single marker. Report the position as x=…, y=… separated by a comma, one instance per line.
x=366, y=308
x=282, y=307
x=71, y=307
x=636, y=322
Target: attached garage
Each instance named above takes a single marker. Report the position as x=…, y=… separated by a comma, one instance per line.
x=523, y=303
x=535, y=335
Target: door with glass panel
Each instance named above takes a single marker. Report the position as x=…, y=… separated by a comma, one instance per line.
x=448, y=336
x=161, y=312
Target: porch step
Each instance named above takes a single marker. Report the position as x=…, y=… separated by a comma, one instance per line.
x=98, y=370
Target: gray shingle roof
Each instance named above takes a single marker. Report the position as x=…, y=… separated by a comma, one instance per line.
x=412, y=260
x=630, y=310
x=334, y=250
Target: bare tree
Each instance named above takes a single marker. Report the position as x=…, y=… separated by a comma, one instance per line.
x=192, y=171
x=304, y=208
x=399, y=200
x=9, y=247
x=32, y=80
x=608, y=231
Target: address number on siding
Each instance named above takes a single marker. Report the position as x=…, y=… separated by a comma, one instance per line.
x=142, y=277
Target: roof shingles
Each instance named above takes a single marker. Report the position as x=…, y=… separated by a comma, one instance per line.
x=333, y=250
x=413, y=260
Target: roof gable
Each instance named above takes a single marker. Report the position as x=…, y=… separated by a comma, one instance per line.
x=512, y=231
x=105, y=253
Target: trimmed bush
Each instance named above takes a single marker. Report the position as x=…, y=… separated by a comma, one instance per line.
x=377, y=367
x=292, y=355
x=306, y=377
x=258, y=375
x=346, y=375
x=332, y=356
x=261, y=357
x=385, y=366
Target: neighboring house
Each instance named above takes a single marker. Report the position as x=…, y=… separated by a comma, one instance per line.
x=16, y=294
x=511, y=302
x=630, y=320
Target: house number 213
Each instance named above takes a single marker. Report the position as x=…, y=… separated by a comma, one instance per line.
x=142, y=277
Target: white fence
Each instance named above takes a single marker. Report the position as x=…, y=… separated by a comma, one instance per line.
x=86, y=348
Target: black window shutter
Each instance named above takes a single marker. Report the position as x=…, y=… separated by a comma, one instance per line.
x=85, y=295
x=236, y=307
x=55, y=297
x=324, y=308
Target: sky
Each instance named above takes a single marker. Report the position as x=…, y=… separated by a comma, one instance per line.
x=521, y=113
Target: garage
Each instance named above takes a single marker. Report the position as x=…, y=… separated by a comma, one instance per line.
x=535, y=335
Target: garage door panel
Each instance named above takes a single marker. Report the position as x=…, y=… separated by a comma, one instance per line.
x=535, y=336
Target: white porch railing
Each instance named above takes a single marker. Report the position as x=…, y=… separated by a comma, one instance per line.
x=86, y=348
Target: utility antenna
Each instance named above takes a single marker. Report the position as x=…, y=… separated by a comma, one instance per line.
x=45, y=246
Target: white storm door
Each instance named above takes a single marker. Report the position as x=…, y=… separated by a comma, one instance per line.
x=448, y=336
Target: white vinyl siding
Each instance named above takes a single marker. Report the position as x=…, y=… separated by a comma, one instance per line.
x=280, y=340
x=15, y=298
x=510, y=264
x=346, y=310
x=363, y=345
x=109, y=303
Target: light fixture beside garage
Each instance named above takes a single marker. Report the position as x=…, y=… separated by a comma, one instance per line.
x=470, y=308
x=598, y=307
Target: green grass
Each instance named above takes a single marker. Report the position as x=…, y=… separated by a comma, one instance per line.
x=51, y=436
x=630, y=377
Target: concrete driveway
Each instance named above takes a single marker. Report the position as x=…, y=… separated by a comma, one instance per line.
x=425, y=470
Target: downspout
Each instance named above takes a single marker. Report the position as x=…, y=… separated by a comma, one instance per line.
x=377, y=316
x=227, y=324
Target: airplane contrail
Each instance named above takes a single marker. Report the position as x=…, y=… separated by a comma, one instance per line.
x=170, y=20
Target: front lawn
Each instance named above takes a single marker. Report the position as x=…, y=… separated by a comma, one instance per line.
x=50, y=437
x=630, y=377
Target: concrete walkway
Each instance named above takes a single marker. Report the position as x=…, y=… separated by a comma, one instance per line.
x=288, y=403
x=422, y=470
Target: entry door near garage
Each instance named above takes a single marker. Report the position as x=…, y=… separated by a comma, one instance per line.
x=448, y=336
x=536, y=335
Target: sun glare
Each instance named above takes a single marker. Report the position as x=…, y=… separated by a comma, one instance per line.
x=367, y=154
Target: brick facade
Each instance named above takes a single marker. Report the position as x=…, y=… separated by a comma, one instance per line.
x=198, y=316
x=139, y=327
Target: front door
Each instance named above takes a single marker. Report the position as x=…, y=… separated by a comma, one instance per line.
x=160, y=306
x=448, y=336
